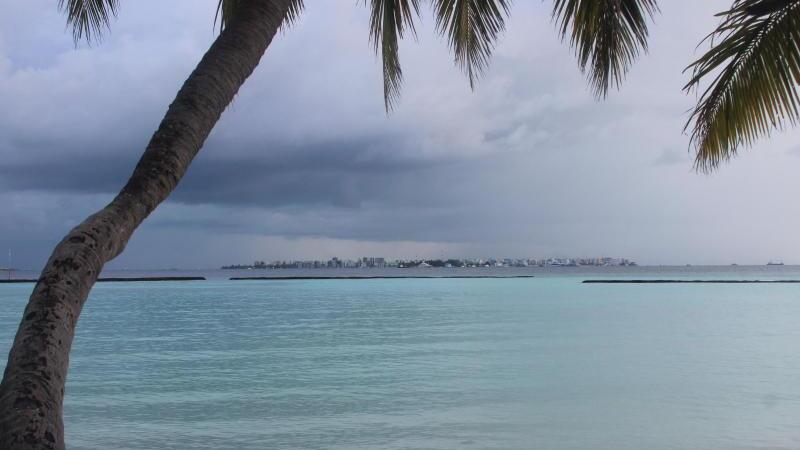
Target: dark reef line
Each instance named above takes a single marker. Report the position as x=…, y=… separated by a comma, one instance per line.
x=687, y=281
x=356, y=277
x=115, y=280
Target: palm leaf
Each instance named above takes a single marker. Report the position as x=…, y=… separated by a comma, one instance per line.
x=607, y=36
x=756, y=67
x=88, y=18
x=388, y=22
x=226, y=10
x=472, y=28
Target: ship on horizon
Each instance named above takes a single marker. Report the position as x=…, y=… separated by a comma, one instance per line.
x=775, y=263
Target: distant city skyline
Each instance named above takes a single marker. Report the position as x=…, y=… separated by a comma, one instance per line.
x=391, y=260
x=381, y=262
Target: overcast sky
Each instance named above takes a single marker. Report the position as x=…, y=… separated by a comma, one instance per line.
x=306, y=164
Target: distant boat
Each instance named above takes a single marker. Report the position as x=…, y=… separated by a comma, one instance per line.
x=774, y=263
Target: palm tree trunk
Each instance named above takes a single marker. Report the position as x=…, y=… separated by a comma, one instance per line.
x=32, y=390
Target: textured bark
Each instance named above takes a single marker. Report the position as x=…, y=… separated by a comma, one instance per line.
x=32, y=390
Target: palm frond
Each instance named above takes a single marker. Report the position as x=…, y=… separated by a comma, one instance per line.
x=388, y=22
x=607, y=36
x=472, y=28
x=756, y=62
x=226, y=10
x=88, y=18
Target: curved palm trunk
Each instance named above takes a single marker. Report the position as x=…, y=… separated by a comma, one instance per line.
x=32, y=390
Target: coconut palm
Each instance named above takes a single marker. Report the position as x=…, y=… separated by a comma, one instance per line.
x=755, y=63
x=606, y=35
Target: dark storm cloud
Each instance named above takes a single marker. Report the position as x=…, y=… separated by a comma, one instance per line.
x=80, y=174
x=276, y=175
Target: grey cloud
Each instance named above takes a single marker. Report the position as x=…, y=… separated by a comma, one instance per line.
x=306, y=158
x=670, y=156
x=342, y=174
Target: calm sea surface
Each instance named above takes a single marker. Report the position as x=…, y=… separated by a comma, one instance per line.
x=543, y=363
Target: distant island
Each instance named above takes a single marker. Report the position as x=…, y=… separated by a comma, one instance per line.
x=379, y=263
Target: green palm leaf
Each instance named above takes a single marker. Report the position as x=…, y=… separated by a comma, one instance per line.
x=88, y=18
x=607, y=35
x=388, y=22
x=756, y=63
x=472, y=28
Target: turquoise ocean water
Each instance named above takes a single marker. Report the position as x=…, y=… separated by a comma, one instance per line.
x=543, y=363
